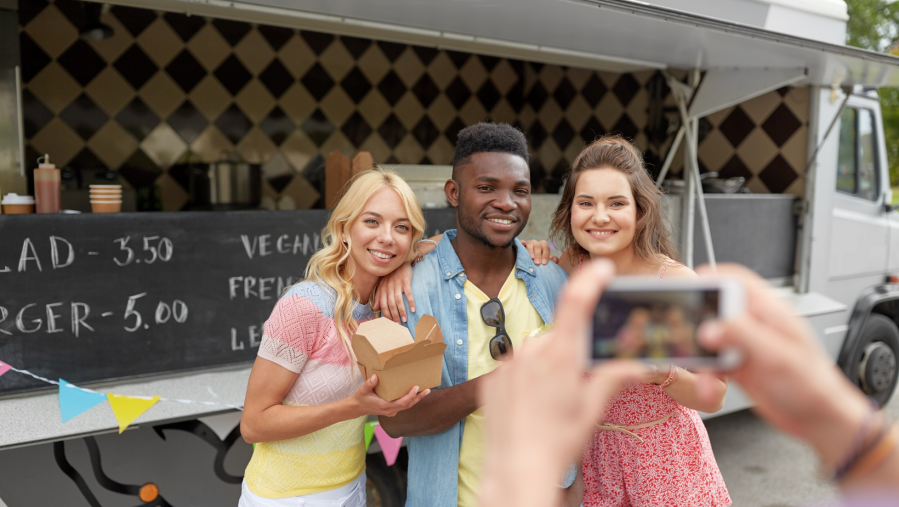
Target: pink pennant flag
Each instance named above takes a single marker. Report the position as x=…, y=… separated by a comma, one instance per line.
x=4, y=368
x=389, y=446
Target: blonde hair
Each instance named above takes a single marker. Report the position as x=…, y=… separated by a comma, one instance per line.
x=329, y=267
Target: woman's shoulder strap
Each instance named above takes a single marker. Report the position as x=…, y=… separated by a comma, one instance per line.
x=666, y=266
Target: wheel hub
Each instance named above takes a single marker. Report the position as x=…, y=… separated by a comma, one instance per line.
x=877, y=368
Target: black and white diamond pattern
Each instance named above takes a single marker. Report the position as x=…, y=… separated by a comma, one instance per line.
x=297, y=103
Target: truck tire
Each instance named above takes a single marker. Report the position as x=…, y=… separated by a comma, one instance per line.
x=382, y=484
x=874, y=358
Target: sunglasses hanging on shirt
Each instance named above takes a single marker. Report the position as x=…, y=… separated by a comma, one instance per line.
x=493, y=315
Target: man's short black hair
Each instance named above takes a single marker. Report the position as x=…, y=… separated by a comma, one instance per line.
x=489, y=138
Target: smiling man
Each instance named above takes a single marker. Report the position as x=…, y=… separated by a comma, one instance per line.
x=486, y=294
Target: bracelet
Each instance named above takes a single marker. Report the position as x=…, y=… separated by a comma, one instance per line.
x=875, y=454
x=858, y=448
x=672, y=376
x=429, y=241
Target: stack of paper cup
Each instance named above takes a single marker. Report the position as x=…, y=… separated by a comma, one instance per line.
x=106, y=198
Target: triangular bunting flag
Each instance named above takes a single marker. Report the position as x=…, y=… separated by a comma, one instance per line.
x=389, y=446
x=74, y=400
x=129, y=408
x=4, y=368
x=369, y=432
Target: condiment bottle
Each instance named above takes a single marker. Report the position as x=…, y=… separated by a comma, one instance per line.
x=47, y=186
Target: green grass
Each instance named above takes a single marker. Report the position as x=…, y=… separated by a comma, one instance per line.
x=895, y=196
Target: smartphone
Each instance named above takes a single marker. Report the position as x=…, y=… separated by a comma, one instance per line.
x=643, y=318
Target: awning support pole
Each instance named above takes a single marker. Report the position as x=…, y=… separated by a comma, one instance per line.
x=688, y=217
x=672, y=151
x=814, y=157
x=694, y=185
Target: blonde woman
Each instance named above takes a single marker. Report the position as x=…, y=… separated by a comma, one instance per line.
x=306, y=401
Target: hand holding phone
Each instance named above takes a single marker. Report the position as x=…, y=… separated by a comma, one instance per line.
x=641, y=318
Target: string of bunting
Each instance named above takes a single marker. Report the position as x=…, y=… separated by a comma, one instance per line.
x=389, y=446
x=74, y=400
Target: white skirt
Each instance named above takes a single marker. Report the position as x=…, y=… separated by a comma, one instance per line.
x=351, y=495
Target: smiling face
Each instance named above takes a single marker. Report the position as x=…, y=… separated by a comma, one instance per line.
x=380, y=237
x=604, y=213
x=492, y=196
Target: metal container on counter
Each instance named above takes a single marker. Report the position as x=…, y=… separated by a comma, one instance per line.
x=229, y=184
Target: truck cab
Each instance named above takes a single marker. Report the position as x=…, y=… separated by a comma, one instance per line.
x=857, y=262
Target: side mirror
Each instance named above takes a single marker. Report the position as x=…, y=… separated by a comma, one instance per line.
x=888, y=202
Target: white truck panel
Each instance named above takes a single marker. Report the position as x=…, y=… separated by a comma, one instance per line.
x=858, y=244
x=893, y=260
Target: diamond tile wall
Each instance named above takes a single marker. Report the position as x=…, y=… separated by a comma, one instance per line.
x=764, y=140
x=169, y=87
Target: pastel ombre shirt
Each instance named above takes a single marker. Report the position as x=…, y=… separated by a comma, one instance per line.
x=301, y=336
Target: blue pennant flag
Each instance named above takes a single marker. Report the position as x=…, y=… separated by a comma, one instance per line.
x=74, y=401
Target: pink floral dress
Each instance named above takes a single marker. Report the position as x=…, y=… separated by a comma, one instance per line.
x=672, y=466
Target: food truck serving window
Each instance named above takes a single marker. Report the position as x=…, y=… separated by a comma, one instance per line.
x=857, y=161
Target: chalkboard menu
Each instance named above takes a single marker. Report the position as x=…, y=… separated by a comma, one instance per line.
x=92, y=298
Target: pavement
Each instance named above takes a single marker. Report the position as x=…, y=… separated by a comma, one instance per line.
x=763, y=467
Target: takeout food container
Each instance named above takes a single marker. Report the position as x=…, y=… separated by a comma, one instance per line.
x=386, y=348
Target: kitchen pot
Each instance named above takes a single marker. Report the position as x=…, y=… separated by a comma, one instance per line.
x=229, y=184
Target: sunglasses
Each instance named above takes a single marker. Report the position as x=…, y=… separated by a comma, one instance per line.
x=493, y=315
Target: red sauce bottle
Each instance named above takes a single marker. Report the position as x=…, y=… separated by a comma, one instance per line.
x=46, y=187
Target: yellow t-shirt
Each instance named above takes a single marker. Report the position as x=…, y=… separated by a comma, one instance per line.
x=521, y=318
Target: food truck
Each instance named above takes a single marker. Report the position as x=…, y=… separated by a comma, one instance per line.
x=228, y=118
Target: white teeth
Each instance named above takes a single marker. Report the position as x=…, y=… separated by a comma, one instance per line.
x=500, y=221
x=380, y=255
x=602, y=233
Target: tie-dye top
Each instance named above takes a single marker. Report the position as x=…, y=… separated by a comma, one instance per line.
x=301, y=336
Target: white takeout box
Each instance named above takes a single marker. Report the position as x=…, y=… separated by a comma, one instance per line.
x=385, y=348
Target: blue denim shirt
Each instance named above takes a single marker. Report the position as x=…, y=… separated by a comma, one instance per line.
x=437, y=286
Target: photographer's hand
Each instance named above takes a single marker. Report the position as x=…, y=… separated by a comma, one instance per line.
x=789, y=376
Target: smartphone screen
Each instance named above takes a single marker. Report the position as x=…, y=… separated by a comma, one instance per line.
x=656, y=325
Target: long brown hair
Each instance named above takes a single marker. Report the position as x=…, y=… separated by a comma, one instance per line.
x=651, y=241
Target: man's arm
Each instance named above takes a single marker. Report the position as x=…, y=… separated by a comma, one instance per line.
x=437, y=412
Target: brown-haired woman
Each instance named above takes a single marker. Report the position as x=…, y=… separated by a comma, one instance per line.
x=651, y=448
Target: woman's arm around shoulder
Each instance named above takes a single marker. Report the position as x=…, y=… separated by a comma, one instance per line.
x=389, y=298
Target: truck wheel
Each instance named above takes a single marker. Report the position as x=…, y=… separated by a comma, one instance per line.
x=875, y=356
x=382, y=484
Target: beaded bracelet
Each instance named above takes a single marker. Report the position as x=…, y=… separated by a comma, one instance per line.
x=874, y=454
x=858, y=448
x=672, y=376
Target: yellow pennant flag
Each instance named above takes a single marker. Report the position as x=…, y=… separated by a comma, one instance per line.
x=129, y=408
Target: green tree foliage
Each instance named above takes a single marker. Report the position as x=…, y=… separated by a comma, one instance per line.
x=889, y=106
x=874, y=24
